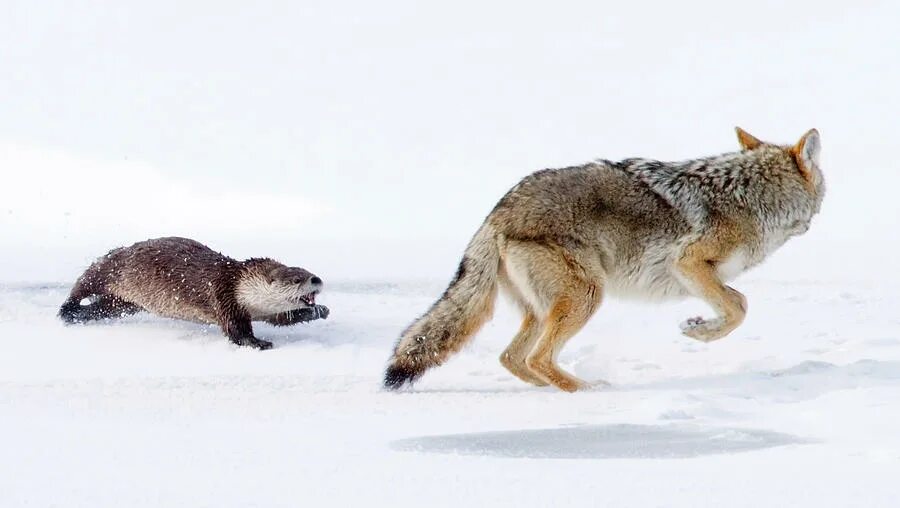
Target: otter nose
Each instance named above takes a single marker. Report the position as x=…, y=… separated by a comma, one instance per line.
x=316, y=281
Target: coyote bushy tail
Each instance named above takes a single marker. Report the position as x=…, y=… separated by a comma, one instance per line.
x=465, y=305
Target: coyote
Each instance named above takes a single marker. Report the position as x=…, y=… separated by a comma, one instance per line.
x=561, y=238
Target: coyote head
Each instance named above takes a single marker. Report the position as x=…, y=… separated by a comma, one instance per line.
x=804, y=154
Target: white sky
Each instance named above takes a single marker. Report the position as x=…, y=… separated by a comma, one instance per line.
x=369, y=139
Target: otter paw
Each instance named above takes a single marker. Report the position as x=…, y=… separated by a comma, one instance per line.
x=321, y=312
x=261, y=344
x=311, y=313
x=254, y=343
x=703, y=330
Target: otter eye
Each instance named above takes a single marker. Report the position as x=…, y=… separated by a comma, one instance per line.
x=296, y=280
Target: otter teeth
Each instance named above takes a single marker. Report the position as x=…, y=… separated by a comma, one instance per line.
x=309, y=299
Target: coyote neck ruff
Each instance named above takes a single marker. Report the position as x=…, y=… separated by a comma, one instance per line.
x=562, y=238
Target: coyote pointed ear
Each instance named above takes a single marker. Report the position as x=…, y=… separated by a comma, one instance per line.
x=747, y=141
x=806, y=153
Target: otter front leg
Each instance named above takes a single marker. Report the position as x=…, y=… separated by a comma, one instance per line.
x=697, y=271
x=299, y=316
x=240, y=331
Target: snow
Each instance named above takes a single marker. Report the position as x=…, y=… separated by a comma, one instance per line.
x=799, y=406
x=366, y=141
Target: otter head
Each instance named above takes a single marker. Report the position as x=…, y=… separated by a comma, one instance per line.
x=296, y=285
x=265, y=290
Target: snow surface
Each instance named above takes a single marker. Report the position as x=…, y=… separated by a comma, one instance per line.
x=799, y=406
x=366, y=141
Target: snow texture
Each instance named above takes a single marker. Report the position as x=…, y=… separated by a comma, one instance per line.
x=799, y=406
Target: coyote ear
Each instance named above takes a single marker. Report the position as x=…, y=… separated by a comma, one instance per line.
x=806, y=153
x=747, y=141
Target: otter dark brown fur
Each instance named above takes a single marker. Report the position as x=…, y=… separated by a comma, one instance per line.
x=184, y=279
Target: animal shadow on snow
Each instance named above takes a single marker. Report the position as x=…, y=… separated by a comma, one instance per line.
x=210, y=334
x=619, y=441
x=304, y=333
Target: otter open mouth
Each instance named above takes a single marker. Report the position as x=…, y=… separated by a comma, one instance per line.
x=309, y=299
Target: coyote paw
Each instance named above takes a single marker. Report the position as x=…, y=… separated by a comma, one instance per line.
x=520, y=370
x=703, y=330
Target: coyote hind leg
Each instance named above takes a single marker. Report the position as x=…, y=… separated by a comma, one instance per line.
x=513, y=357
x=563, y=287
x=567, y=316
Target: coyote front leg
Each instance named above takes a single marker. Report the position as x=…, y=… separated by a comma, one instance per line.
x=697, y=270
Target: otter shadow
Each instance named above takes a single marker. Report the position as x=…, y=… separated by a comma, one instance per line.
x=622, y=441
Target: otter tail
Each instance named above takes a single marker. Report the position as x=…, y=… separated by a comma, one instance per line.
x=91, y=300
x=72, y=312
x=463, y=308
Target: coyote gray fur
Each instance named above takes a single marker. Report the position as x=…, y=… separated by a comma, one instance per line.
x=561, y=239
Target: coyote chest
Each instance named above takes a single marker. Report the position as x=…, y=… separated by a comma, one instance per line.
x=650, y=277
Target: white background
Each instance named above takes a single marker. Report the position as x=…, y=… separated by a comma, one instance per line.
x=367, y=139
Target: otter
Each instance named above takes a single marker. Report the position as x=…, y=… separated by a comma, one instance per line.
x=183, y=279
